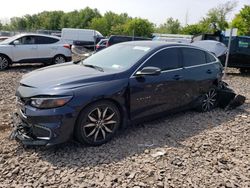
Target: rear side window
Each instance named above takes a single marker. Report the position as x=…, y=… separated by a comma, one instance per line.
x=120, y=39
x=192, y=57
x=45, y=40
x=210, y=58
x=165, y=60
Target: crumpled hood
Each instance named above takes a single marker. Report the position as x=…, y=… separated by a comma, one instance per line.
x=67, y=75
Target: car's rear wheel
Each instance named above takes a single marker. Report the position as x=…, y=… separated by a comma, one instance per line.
x=208, y=101
x=59, y=59
x=98, y=123
x=4, y=62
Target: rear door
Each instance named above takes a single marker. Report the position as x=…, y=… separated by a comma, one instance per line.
x=46, y=46
x=199, y=71
x=154, y=94
x=25, y=50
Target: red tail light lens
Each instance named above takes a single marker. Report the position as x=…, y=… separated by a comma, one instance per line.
x=107, y=45
x=67, y=46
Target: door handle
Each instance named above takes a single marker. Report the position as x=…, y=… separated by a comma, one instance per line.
x=177, y=77
x=209, y=71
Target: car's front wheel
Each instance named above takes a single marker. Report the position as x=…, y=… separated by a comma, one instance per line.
x=4, y=62
x=208, y=101
x=59, y=59
x=98, y=123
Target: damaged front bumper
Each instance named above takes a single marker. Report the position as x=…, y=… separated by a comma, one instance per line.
x=29, y=135
x=45, y=127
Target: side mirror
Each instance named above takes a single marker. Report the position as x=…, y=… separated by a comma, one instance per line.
x=16, y=42
x=153, y=71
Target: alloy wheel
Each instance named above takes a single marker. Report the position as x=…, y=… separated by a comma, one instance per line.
x=101, y=122
x=209, y=101
x=4, y=63
x=59, y=59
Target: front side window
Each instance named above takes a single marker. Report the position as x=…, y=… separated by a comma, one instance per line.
x=165, y=60
x=27, y=40
x=192, y=57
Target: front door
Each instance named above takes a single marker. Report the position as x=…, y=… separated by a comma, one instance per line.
x=154, y=94
x=25, y=50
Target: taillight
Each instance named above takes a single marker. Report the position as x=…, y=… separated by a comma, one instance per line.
x=67, y=46
x=107, y=45
x=97, y=46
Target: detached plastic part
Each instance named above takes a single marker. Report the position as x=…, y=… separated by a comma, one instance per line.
x=228, y=99
x=237, y=101
x=23, y=133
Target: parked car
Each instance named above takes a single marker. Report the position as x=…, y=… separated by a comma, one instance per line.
x=32, y=48
x=81, y=37
x=129, y=82
x=239, y=56
x=2, y=38
x=115, y=39
x=101, y=45
x=217, y=48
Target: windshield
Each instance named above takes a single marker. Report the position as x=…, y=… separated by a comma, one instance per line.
x=9, y=40
x=117, y=57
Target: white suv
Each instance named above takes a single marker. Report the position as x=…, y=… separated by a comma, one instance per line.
x=32, y=48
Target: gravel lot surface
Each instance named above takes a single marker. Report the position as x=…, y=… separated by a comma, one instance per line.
x=188, y=149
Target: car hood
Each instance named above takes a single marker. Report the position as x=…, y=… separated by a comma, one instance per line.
x=64, y=76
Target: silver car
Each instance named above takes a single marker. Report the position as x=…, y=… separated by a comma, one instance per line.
x=32, y=48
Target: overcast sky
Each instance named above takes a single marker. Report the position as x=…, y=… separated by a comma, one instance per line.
x=157, y=11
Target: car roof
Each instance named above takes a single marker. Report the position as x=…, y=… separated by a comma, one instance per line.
x=103, y=40
x=154, y=44
x=36, y=34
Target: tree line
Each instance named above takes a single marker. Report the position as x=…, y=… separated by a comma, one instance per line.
x=123, y=24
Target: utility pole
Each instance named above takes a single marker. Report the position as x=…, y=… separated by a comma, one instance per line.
x=232, y=32
x=186, y=18
x=228, y=52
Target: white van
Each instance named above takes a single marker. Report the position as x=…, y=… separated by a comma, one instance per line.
x=84, y=37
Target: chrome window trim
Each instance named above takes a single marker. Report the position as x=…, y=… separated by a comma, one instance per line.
x=169, y=47
x=200, y=65
x=172, y=70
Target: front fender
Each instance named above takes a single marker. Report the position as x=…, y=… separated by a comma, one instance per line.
x=114, y=90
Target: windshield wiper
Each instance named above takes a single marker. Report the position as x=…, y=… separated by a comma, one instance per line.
x=95, y=67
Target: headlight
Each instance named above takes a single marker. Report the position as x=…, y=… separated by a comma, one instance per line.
x=49, y=102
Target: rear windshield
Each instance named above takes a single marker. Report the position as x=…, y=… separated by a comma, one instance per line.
x=118, y=57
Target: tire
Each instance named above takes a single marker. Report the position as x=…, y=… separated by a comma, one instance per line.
x=208, y=101
x=58, y=59
x=4, y=62
x=98, y=123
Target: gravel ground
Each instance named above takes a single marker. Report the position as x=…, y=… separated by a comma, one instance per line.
x=188, y=149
